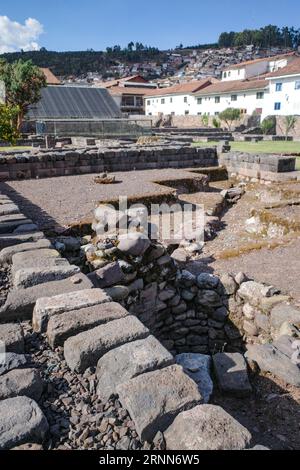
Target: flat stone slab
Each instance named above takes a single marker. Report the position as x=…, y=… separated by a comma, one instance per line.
x=129, y=361
x=85, y=350
x=270, y=359
x=284, y=313
x=231, y=373
x=109, y=275
x=10, y=240
x=10, y=224
x=154, y=399
x=20, y=302
x=11, y=335
x=8, y=209
x=198, y=367
x=21, y=421
x=11, y=361
x=37, y=258
x=48, y=306
x=7, y=254
x=206, y=427
x=24, y=278
x=64, y=325
x=21, y=382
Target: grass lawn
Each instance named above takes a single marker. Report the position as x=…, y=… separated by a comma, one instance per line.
x=261, y=147
x=12, y=149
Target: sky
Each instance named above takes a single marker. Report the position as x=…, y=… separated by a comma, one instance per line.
x=95, y=24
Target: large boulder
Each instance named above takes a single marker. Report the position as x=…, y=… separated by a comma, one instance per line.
x=109, y=275
x=11, y=361
x=283, y=313
x=231, y=373
x=156, y=398
x=206, y=427
x=24, y=278
x=38, y=244
x=11, y=335
x=21, y=421
x=134, y=244
x=21, y=382
x=129, y=361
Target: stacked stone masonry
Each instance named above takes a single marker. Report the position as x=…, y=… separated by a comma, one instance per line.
x=123, y=344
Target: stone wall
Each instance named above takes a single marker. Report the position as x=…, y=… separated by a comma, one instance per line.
x=259, y=166
x=61, y=162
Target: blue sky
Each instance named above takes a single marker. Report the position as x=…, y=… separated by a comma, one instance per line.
x=82, y=24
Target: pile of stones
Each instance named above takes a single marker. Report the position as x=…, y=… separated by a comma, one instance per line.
x=80, y=370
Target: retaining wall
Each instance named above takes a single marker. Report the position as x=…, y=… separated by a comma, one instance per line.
x=61, y=163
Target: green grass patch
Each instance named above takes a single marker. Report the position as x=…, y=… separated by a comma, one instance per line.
x=13, y=149
x=258, y=147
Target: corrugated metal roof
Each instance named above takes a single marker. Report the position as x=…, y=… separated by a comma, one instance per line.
x=63, y=102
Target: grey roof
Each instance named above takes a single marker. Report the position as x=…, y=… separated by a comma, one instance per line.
x=63, y=102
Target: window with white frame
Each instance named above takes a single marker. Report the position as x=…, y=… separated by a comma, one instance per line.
x=277, y=106
x=278, y=87
x=233, y=97
x=199, y=100
x=185, y=99
x=260, y=95
x=217, y=99
x=162, y=101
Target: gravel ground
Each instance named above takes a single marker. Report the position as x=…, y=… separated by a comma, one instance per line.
x=60, y=201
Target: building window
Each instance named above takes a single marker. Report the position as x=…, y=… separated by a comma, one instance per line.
x=162, y=101
x=278, y=86
x=233, y=97
x=225, y=74
x=217, y=99
x=128, y=101
x=277, y=106
x=260, y=95
x=148, y=102
x=297, y=85
x=199, y=114
x=186, y=112
x=239, y=72
x=139, y=101
x=185, y=99
x=173, y=113
x=217, y=113
x=199, y=100
x=229, y=73
x=171, y=100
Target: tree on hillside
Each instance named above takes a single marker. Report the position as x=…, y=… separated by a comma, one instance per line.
x=268, y=125
x=8, y=121
x=23, y=83
x=229, y=116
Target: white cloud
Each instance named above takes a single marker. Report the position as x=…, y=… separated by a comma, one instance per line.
x=15, y=36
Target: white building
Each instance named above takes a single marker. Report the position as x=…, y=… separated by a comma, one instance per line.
x=283, y=98
x=254, y=68
x=175, y=100
x=248, y=96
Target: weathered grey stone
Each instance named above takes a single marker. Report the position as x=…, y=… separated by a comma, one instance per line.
x=198, y=367
x=180, y=256
x=20, y=302
x=29, y=277
x=228, y=283
x=7, y=253
x=250, y=328
x=117, y=293
x=25, y=228
x=49, y=306
x=134, y=244
x=109, y=275
x=21, y=421
x=85, y=349
x=206, y=427
x=270, y=359
x=240, y=278
x=129, y=361
x=9, y=223
x=29, y=446
x=8, y=209
x=21, y=382
x=220, y=314
x=252, y=292
x=11, y=334
x=284, y=313
x=209, y=298
x=231, y=373
x=207, y=281
x=262, y=322
x=154, y=399
x=11, y=361
x=10, y=239
x=39, y=258
x=259, y=447
x=71, y=323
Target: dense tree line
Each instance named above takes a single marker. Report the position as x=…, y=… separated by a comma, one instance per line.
x=80, y=62
x=269, y=36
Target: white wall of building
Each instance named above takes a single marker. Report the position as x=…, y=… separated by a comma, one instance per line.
x=288, y=97
x=246, y=100
x=255, y=69
x=179, y=105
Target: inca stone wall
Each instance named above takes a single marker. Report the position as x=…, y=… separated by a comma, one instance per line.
x=45, y=164
x=162, y=394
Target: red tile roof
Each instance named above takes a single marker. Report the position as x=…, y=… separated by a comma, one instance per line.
x=234, y=85
x=181, y=88
x=121, y=90
x=120, y=81
x=293, y=68
x=50, y=77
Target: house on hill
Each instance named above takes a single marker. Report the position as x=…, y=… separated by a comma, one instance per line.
x=50, y=77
